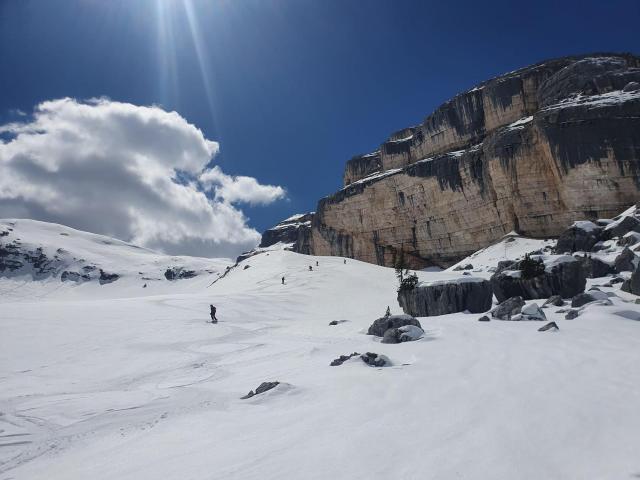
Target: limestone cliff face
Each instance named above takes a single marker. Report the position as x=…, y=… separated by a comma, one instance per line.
x=531, y=151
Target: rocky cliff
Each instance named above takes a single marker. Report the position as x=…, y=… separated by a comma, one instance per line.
x=530, y=151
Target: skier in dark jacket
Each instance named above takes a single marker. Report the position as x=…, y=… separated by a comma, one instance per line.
x=213, y=314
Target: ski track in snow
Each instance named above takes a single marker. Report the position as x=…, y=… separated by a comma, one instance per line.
x=99, y=383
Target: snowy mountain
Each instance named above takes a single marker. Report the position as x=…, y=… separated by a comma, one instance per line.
x=117, y=381
x=64, y=258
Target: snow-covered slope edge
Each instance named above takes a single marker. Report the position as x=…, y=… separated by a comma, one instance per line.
x=47, y=252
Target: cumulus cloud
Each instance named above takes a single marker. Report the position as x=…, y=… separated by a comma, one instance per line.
x=239, y=189
x=109, y=167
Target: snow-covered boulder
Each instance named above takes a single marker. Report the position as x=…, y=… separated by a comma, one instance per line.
x=408, y=333
x=508, y=308
x=581, y=236
x=588, y=297
x=341, y=359
x=627, y=261
x=263, y=387
x=594, y=267
x=375, y=359
x=632, y=285
x=622, y=226
x=562, y=275
x=555, y=300
x=532, y=312
x=381, y=325
x=551, y=326
x=447, y=296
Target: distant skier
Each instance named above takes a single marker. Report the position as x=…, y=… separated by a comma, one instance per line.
x=213, y=314
x=310, y=268
x=345, y=261
x=317, y=264
x=283, y=280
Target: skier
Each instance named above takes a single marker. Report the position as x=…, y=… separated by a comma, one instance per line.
x=213, y=314
x=345, y=261
x=283, y=280
x=317, y=264
x=310, y=268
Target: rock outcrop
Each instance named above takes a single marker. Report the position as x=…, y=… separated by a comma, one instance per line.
x=562, y=275
x=531, y=151
x=294, y=230
x=447, y=296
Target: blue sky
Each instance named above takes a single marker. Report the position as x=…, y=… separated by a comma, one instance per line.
x=290, y=89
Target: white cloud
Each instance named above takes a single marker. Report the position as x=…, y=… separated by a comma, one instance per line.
x=107, y=167
x=237, y=189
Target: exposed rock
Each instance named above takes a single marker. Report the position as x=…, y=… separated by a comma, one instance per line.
x=408, y=333
x=594, y=267
x=484, y=318
x=381, y=325
x=626, y=261
x=631, y=87
x=362, y=166
x=375, y=359
x=447, y=296
x=515, y=153
x=341, y=359
x=333, y=322
x=178, y=273
x=508, y=308
x=67, y=276
x=504, y=265
x=264, y=386
x=571, y=314
x=588, y=297
x=107, y=277
x=632, y=285
x=581, y=236
x=553, y=326
x=563, y=275
x=623, y=226
x=391, y=336
x=287, y=231
x=532, y=312
x=555, y=300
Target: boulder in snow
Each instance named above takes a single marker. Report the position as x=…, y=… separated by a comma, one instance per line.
x=588, y=297
x=381, y=325
x=623, y=226
x=551, y=326
x=571, y=314
x=627, y=261
x=508, y=308
x=375, y=359
x=408, y=333
x=555, y=300
x=562, y=275
x=594, y=267
x=447, y=296
x=107, y=277
x=484, y=318
x=342, y=358
x=264, y=386
x=633, y=284
x=580, y=237
x=532, y=312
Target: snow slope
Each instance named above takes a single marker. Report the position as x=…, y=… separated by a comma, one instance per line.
x=137, y=387
x=47, y=252
x=510, y=247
